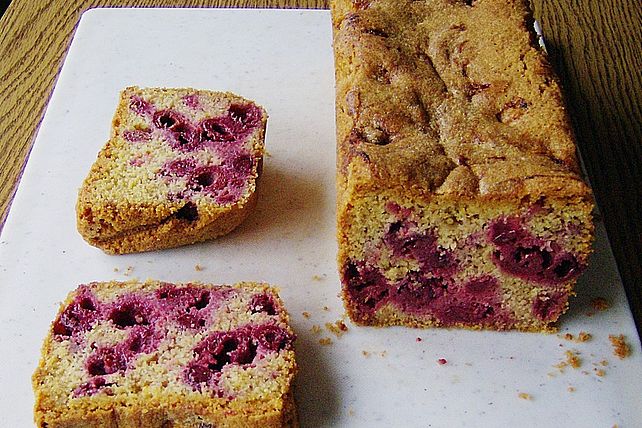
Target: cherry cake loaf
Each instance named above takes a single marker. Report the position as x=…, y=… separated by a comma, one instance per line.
x=156, y=354
x=460, y=197
x=181, y=166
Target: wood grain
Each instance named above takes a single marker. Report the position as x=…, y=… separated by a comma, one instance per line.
x=596, y=47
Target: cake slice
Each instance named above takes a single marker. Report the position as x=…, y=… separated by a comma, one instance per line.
x=181, y=166
x=156, y=354
x=460, y=199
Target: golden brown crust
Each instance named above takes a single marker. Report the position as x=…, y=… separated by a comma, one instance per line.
x=124, y=206
x=448, y=98
x=449, y=113
x=173, y=232
x=148, y=401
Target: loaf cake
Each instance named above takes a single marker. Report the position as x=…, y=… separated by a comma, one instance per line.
x=156, y=354
x=460, y=198
x=181, y=166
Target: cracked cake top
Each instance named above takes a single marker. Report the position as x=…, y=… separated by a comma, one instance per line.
x=450, y=97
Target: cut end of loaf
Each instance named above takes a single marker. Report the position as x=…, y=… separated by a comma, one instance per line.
x=462, y=264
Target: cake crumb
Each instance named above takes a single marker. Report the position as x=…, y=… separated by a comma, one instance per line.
x=525, y=396
x=116, y=269
x=338, y=328
x=325, y=341
x=604, y=363
x=584, y=336
x=317, y=277
x=383, y=353
x=621, y=349
x=600, y=304
x=418, y=339
x=599, y=372
x=316, y=329
x=128, y=271
x=581, y=337
x=198, y=267
x=325, y=308
x=365, y=353
x=305, y=314
x=572, y=359
x=442, y=361
x=571, y=389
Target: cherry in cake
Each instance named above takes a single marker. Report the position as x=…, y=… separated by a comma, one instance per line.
x=152, y=354
x=181, y=166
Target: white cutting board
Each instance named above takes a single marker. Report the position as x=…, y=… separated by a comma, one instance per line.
x=366, y=378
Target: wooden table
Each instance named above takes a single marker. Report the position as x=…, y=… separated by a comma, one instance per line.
x=596, y=47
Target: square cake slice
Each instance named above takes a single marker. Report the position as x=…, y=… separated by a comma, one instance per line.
x=460, y=198
x=156, y=354
x=181, y=166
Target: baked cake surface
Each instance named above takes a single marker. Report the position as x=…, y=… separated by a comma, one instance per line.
x=156, y=354
x=181, y=166
x=460, y=200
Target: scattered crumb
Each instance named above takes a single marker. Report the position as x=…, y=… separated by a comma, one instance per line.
x=338, y=328
x=571, y=389
x=599, y=372
x=368, y=354
x=621, y=349
x=584, y=336
x=600, y=304
x=317, y=278
x=198, y=268
x=581, y=337
x=604, y=363
x=325, y=341
x=116, y=269
x=418, y=339
x=572, y=359
x=525, y=396
x=316, y=329
x=325, y=308
x=350, y=411
x=267, y=154
x=128, y=271
x=305, y=314
x=442, y=361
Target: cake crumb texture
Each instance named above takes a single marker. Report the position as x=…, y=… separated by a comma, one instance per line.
x=155, y=354
x=459, y=196
x=621, y=349
x=181, y=166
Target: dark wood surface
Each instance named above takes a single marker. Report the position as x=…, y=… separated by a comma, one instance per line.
x=596, y=47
